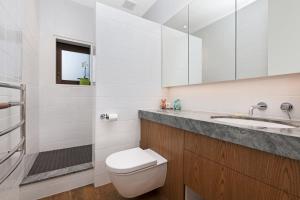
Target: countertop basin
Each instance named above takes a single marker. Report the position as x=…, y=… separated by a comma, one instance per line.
x=254, y=122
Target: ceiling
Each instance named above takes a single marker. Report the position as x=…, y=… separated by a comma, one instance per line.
x=140, y=8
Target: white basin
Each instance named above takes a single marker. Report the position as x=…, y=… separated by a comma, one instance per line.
x=253, y=122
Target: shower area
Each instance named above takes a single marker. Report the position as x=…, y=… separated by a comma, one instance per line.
x=47, y=164
x=58, y=135
x=56, y=163
x=65, y=91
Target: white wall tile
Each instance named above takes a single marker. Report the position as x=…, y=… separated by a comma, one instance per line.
x=128, y=78
x=18, y=55
x=65, y=111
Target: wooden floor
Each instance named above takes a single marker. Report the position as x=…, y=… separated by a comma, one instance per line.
x=107, y=192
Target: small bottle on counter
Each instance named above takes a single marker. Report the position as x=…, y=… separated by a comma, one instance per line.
x=163, y=103
x=177, y=104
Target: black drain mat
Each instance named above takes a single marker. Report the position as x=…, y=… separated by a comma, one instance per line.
x=62, y=158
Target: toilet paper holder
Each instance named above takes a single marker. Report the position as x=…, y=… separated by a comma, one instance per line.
x=104, y=116
x=107, y=116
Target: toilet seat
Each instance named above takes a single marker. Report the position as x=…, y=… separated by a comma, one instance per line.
x=131, y=160
x=134, y=172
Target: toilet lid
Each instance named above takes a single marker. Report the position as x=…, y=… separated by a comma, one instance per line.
x=129, y=161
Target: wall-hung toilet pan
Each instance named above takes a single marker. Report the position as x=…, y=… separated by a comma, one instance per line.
x=135, y=171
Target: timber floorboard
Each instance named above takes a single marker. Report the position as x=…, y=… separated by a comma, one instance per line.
x=106, y=192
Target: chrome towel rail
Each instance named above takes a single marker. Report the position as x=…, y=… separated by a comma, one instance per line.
x=10, y=129
x=22, y=125
x=13, y=151
x=11, y=86
x=13, y=168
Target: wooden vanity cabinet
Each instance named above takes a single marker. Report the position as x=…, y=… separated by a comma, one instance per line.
x=277, y=172
x=168, y=142
x=213, y=181
x=219, y=170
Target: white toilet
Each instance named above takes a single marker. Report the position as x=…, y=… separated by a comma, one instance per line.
x=135, y=171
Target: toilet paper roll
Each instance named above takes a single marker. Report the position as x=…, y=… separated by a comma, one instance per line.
x=112, y=117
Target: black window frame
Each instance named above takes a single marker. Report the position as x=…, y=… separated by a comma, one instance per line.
x=72, y=47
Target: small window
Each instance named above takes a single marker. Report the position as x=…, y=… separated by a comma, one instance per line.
x=72, y=63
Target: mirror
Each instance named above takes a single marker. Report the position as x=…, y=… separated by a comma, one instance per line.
x=231, y=40
x=267, y=38
x=212, y=41
x=191, y=50
x=175, y=50
x=252, y=42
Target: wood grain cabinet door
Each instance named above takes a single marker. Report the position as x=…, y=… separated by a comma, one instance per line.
x=213, y=181
x=168, y=142
x=219, y=170
x=276, y=171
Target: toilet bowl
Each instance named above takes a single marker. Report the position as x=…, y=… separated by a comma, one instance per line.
x=135, y=171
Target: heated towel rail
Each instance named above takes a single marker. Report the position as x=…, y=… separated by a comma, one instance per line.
x=21, y=125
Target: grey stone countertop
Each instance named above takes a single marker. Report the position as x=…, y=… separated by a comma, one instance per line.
x=282, y=142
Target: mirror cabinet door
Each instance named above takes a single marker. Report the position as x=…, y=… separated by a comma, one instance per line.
x=252, y=38
x=267, y=38
x=211, y=41
x=283, y=37
x=175, y=50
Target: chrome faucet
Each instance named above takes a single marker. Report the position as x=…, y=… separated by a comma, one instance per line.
x=260, y=106
x=287, y=108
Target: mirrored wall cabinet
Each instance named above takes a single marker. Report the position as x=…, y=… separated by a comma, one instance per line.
x=212, y=41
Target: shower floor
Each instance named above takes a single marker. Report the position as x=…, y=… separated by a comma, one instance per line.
x=52, y=164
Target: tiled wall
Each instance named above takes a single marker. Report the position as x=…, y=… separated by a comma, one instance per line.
x=11, y=40
x=30, y=73
x=238, y=96
x=19, y=63
x=128, y=79
x=63, y=116
x=65, y=110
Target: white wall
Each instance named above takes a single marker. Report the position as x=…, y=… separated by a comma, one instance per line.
x=65, y=110
x=128, y=79
x=238, y=96
x=30, y=73
x=19, y=63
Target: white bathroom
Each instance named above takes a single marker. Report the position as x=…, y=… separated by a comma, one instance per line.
x=149, y=99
